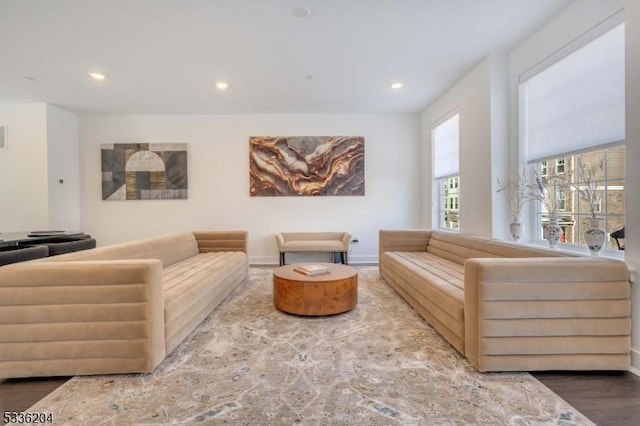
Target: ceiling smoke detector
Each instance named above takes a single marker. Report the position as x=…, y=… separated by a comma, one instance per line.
x=301, y=12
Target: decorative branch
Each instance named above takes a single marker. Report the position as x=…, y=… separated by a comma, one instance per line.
x=587, y=187
x=544, y=190
x=516, y=191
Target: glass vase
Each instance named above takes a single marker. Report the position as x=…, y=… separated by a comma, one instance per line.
x=594, y=236
x=553, y=231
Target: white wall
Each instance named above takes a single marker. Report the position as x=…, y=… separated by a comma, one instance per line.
x=219, y=180
x=63, y=157
x=480, y=139
x=632, y=190
x=23, y=168
x=579, y=18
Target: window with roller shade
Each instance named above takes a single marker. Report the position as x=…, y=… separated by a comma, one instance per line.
x=445, y=142
x=573, y=113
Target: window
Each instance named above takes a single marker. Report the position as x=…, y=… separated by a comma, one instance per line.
x=445, y=142
x=449, y=195
x=573, y=117
x=609, y=169
x=561, y=199
x=543, y=168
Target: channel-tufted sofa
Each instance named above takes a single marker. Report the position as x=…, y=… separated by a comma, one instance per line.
x=511, y=307
x=114, y=309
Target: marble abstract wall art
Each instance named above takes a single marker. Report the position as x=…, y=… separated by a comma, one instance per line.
x=144, y=171
x=306, y=165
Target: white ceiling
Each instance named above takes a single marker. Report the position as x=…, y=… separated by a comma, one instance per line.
x=163, y=56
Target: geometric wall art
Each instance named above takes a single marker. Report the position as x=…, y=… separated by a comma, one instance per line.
x=144, y=171
x=306, y=165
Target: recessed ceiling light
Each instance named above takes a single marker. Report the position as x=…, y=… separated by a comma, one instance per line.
x=395, y=85
x=222, y=85
x=98, y=76
x=301, y=12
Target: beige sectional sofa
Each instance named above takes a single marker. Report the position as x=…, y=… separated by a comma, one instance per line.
x=511, y=307
x=114, y=309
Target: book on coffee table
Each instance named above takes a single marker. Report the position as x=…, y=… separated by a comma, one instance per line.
x=312, y=269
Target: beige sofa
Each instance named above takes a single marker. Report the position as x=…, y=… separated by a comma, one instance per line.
x=510, y=307
x=114, y=309
x=330, y=242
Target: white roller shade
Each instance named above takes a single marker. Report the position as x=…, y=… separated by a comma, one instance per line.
x=445, y=138
x=577, y=103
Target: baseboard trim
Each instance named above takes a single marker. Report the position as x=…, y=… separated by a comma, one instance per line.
x=363, y=260
x=264, y=260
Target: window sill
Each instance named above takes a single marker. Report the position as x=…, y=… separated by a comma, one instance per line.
x=573, y=249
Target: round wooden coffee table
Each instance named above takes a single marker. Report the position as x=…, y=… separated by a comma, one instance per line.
x=324, y=294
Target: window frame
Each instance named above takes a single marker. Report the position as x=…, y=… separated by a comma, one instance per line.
x=534, y=209
x=448, y=204
x=575, y=217
x=446, y=185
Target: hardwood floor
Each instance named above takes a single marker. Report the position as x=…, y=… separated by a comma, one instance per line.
x=20, y=394
x=607, y=398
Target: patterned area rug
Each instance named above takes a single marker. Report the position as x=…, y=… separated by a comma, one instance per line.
x=249, y=364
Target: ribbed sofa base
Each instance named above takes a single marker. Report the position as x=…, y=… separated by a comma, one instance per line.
x=72, y=367
x=547, y=314
x=555, y=362
x=509, y=307
x=78, y=317
x=114, y=309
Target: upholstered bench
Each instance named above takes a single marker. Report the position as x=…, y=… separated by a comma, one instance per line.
x=331, y=242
